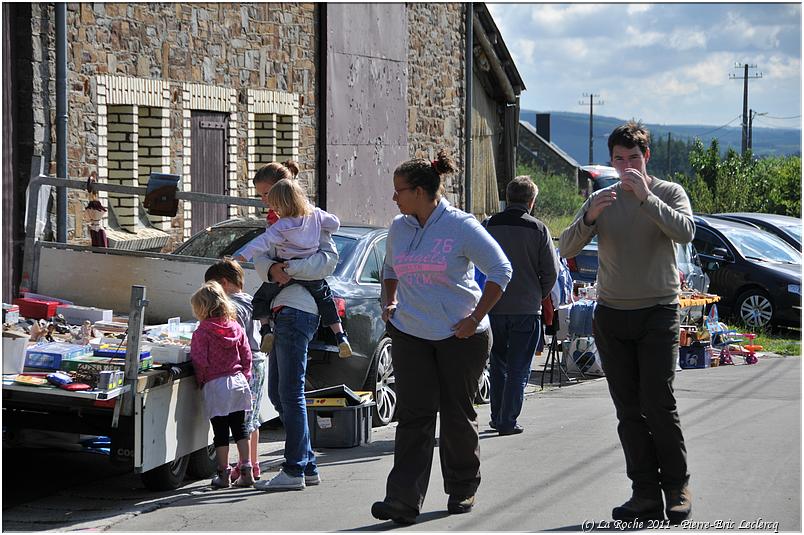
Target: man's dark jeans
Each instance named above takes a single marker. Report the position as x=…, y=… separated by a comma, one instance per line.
x=639, y=352
x=515, y=339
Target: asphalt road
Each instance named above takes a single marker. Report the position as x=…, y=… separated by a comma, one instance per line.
x=564, y=473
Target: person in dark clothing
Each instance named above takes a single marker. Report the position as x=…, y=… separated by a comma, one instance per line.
x=636, y=322
x=515, y=318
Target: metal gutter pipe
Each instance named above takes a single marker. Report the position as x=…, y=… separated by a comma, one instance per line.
x=61, y=119
x=468, y=79
x=321, y=106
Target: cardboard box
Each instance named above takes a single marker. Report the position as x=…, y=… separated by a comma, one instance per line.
x=340, y=427
x=11, y=313
x=77, y=315
x=14, y=352
x=51, y=355
x=102, y=363
x=170, y=354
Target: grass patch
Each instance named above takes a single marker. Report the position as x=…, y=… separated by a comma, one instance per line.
x=782, y=342
x=556, y=224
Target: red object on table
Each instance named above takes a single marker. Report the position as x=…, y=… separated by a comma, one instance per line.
x=36, y=309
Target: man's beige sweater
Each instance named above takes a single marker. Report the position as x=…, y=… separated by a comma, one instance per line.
x=636, y=256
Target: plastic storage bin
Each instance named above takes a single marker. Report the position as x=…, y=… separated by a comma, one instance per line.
x=36, y=309
x=694, y=356
x=339, y=427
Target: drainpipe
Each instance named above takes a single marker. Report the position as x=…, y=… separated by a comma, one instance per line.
x=321, y=106
x=61, y=120
x=467, y=188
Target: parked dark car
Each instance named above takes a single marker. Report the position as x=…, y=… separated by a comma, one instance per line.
x=597, y=177
x=786, y=227
x=756, y=274
x=583, y=266
x=356, y=287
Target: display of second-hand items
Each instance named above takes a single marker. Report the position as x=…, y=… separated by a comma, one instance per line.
x=48, y=342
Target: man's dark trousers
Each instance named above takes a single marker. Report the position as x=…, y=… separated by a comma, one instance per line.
x=639, y=352
x=515, y=337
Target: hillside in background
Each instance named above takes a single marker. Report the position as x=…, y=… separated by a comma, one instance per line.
x=570, y=131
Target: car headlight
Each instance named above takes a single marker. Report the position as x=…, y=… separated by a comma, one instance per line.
x=794, y=289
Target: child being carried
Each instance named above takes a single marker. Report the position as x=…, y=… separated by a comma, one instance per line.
x=295, y=235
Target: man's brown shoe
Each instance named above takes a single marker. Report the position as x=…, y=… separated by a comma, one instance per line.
x=460, y=504
x=679, y=504
x=639, y=508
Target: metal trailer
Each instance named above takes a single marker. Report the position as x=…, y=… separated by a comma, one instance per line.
x=155, y=420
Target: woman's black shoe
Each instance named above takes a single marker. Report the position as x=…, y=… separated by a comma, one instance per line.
x=387, y=511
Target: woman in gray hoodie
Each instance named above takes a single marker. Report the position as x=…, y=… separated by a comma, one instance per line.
x=436, y=317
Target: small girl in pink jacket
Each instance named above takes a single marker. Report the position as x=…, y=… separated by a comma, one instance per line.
x=221, y=358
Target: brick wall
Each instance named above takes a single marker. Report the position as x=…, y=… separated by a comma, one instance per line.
x=235, y=46
x=436, y=86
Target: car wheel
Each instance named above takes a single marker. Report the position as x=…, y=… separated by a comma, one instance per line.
x=484, y=386
x=755, y=309
x=202, y=463
x=382, y=382
x=166, y=477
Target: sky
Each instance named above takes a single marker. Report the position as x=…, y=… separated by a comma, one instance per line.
x=661, y=63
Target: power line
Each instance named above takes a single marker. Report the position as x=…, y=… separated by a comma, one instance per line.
x=719, y=127
x=791, y=117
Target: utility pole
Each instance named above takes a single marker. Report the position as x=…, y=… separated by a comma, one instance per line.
x=751, y=115
x=668, y=154
x=591, y=97
x=745, y=77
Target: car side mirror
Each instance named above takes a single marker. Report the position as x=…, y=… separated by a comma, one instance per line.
x=720, y=252
x=711, y=265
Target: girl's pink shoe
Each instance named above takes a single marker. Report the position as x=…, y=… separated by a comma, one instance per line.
x=236, y=471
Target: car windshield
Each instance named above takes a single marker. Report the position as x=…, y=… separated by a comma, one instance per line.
x=344, y=246
x=758, y=245
x=218, y=242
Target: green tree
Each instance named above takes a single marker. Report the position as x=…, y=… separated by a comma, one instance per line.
x=734, y=182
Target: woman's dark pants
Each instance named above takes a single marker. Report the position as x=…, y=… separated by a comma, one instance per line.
x=432, y=377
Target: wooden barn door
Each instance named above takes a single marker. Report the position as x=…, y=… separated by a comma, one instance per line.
x=208, y=165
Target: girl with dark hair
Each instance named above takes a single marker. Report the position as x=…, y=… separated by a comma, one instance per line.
x=436, y=317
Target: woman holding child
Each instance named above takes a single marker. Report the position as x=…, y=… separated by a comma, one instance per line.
x=296, y=320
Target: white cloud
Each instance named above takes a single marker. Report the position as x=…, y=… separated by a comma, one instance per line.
x=557, y=16
x=635, y=9
x=523, y=51
x=686, y=39
x=779, y=68
x=762, y=37
x=712, y=71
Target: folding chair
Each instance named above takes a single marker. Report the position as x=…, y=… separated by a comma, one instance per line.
x=553, y=355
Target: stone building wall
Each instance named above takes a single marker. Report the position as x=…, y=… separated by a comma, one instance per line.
x=237, y=46
x=436, y=97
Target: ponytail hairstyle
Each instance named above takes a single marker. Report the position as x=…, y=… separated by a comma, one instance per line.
x=210, y=301
x=288, y=199
x=420, y=173
x=275, y=171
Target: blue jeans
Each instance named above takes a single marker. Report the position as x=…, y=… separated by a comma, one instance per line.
x=515, y=337
x=287, y=366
